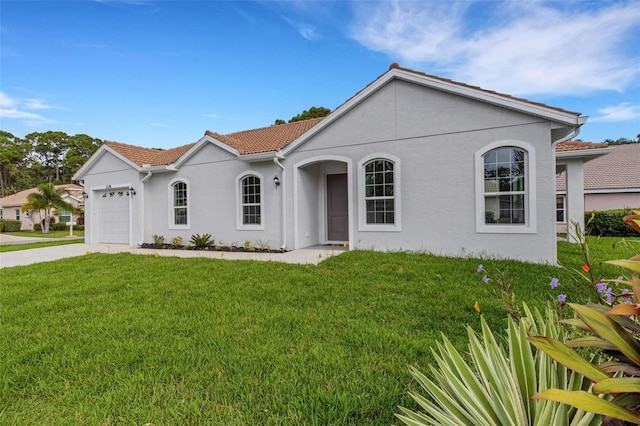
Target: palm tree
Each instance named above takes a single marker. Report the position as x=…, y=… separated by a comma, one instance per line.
x=47, y=198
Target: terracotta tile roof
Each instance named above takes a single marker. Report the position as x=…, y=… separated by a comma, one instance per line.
x=265, y=139
x=617, y=170
x=19, y=198
x=154, y=157
x=579, y=146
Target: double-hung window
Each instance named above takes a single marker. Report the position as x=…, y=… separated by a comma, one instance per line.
x=250, y=208
x=379, y=192
x=180, y=212
x=251, y=201
x=505, y=188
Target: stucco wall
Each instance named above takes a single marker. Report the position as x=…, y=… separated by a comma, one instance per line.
x=435, y=135
x=212, y=177
x=110, y=171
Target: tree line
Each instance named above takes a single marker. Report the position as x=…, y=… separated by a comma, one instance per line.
x=48, y=157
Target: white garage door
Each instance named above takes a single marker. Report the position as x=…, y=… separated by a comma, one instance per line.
x=113, y=216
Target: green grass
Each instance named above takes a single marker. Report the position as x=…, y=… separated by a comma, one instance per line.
x=4, y=248
x=51, y=234
x=130, y=339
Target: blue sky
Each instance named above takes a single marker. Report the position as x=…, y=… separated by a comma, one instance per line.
x=161, y=73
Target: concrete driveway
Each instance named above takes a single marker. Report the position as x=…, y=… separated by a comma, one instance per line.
x=311, y=255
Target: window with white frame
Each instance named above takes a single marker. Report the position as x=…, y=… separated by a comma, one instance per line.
x=180, y=203
x=251, y=200
x=379, y=192
x=505, y=188
x=17, y=214
x=1, y=213
x=561, y=212
x=65, y=216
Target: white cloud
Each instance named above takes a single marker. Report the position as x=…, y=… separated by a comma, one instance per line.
x=307, y=31
x=17, y=109
x=37, y=104
x=5, y=101
x=210, y=115
x=515, y=47
x=621, y=112
x=158, y=125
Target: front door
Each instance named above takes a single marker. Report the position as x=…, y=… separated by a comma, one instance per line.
x=337, y=208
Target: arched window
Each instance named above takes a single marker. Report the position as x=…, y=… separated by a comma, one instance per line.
x=251, y=201
x=180, y=210
x=379, y=192
x=506, y=188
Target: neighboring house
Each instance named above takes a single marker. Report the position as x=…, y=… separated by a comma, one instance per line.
x=10, y=206
x=410, y=162
x=610, y=182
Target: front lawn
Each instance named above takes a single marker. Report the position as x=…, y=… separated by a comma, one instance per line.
x=51, y=234
x=131, y=339
x=4, y=248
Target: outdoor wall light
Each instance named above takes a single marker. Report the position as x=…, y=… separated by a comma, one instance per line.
x=276, y=181
x=85, y=195
x=132, y=191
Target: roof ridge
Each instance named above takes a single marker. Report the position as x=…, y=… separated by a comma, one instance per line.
x=395, y=65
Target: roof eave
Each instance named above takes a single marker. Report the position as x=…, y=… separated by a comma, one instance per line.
x=588, y=154
x=258, y=157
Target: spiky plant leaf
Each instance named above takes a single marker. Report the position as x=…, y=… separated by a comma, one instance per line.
x=590, y=342
x=618, y=385
x=603, y=326
x=588, y=401
x=567, y=357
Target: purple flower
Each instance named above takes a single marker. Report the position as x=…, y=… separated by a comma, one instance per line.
x=600, y=287
x=480, y=268
x=562, y=298
x=620, y=278
x=607, y=293
x=625, y=291
x=554, y=283
x=485, y=280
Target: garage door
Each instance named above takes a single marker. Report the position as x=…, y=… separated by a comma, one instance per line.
x=113, y=217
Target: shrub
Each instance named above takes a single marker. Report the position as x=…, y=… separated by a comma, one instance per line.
x=1, y=226
x=176, y=241
x=61, y=226
x=615, y=332
x=201, y=241
x=11, y=225
x=608, y=223
x=493, y=385
x=158, y=240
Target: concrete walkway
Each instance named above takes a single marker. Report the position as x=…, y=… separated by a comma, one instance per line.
x=311, y=255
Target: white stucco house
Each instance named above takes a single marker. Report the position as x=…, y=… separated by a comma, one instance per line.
x=410, y=162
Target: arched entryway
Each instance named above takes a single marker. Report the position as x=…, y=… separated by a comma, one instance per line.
x=323, y=203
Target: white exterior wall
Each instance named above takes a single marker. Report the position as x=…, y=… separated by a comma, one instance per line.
x=435, y=136
x=212, y=181
x=113, y=172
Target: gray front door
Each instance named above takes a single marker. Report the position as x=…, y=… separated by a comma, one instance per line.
x=337, y=208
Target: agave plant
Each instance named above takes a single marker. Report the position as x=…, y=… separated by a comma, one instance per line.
x=615, y=332
x=495, y=386
x=201, y=241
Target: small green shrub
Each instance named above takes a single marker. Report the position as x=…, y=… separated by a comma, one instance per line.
x=608, y=223
x=201, y=241
x=158, y=240
x=1, y=226
x=11, y=225
x=176, y=241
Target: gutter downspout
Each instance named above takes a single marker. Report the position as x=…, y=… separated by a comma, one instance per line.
x=283, y=183
x=142, y=203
